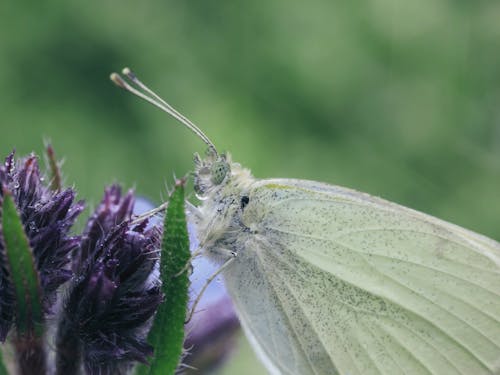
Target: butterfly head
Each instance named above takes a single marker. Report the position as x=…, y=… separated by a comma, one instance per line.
x=211, y=171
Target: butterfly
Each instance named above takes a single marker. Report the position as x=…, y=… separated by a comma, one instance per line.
x=329, y=280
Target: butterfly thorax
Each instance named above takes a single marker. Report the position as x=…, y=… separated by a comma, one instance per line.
x=222, y=186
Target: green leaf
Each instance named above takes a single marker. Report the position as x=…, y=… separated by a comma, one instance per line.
x=21, y=263
x=167, y=333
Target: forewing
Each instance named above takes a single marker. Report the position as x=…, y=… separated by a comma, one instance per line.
x=381, y=288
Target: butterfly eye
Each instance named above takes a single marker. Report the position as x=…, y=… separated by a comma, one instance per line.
x=244, y=201
x=219, y=172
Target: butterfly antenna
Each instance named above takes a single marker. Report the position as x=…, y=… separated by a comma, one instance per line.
x=136, y=87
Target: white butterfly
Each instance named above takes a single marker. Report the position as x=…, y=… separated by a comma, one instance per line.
x=328, y=280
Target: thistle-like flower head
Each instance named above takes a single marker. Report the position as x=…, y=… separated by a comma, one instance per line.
x=112, y=297
x=47, y=216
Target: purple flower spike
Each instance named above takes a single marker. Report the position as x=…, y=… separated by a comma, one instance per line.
x=110, y=303
x=47, y=217
x=113, y=210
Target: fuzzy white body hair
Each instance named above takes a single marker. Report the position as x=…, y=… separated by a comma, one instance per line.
x=219, y=226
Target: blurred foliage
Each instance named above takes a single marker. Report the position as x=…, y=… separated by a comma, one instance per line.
x=400, y=99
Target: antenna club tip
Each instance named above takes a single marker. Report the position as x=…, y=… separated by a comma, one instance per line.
x=117, y=80
x=129, y=73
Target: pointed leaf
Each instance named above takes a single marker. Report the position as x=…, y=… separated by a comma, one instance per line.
x=167, y=333
x=21, y=263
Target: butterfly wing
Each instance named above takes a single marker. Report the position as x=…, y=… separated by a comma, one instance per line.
x=335, y=281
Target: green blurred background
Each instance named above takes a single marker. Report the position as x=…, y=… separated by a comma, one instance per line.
x=397, y=98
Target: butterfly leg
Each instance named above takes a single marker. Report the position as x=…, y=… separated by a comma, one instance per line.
x=195, y=253
x=226, y=252
x=146, y=215
x=193, y=210
x=207, y=283
x=190, y=208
